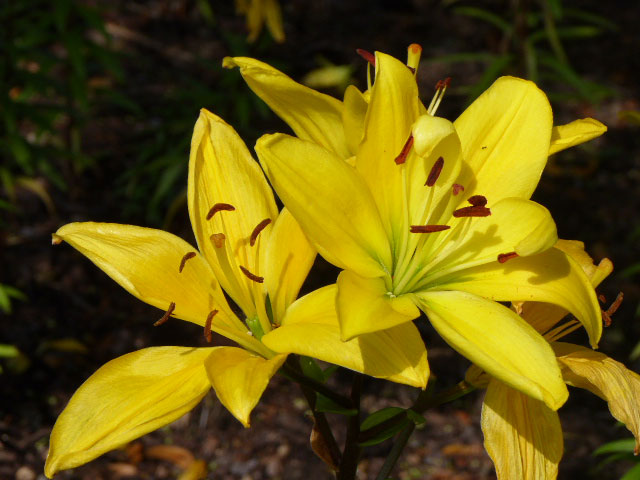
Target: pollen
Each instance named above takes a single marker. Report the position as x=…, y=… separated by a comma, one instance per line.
x=218, y=207
x=428, y=228
x=477, y=200
x=183, y=262
x=167, y=314
x=504, y=257
x=435, y=172
x=256, y=231
x=218, y=239
x=207, y=326
x=368, y=56
x=251, y=276
x=457, y=188
x=404, y=153
x=473, y=211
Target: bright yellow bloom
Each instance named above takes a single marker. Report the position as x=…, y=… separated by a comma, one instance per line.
x=430, y=212
x=260, y=257
x=259, y=12
x=522, y=435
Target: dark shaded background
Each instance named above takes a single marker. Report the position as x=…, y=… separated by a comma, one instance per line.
x=118, y=124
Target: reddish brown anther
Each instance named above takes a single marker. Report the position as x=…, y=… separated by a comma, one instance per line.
x=404, y=153
x=457, y=188
x=443, y=83
x=428, y=228
x=435, y=172
x=472, y=212
x=183, y=262
x=504, y=257
x=207, y=326
x=602, y=298
x=368, y=56
x=218, y=239
x=477, y=200
x=257, y=230
x=165, y=317
x=251, y=276
x=218, y=207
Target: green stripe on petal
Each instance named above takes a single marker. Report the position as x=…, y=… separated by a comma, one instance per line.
x=330, y=202
x=522, y=435
x=126, y=398
x=498, y=341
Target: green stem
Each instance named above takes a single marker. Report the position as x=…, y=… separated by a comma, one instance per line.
x=552, y=33
x=396, y=451
x=352, y=451
x=294, y=374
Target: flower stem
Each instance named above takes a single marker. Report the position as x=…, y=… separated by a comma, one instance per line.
x=352, y=451
x=297, y=376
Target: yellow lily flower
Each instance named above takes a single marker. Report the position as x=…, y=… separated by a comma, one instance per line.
x=522, y=435
x=410, y=224
x=260, y=257
x=259, y=12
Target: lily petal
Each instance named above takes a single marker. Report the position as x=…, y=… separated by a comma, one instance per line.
x=397, y=354
x=330, y=202
x=289, y=259
x=146, y=262
x=505, y=137
x=498, y=341
x=393, y=108
x=606, y=378
x=353, y=115
x=575, y=133
x=551, y=276
x=522, y=435
x=126, y=398
x=222, y=171
x=312, y=115
x=240, y=377
x=364, y=305
x=273, y=19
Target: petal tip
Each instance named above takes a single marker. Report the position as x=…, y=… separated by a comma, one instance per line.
x=229, y=62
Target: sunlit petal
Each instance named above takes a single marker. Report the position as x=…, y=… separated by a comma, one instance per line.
x=497, y=340
x=522, y=435
x=239, y=378
x=311, y=115
x=505, y=137
x=126, y=398
x=353, y=115
x=575, y=133
x=330, y=202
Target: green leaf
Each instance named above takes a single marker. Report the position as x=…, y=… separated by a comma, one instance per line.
x=326, y=405
x=377, y=419
x=633, y=474
x=624, y=445
x=311, y=369
x=485, y=16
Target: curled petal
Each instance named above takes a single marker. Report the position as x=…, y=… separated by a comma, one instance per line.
x=575, y=133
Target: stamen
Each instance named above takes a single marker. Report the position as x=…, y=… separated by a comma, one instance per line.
x=504, y=257
x=477, y=200
x=165, y=317
x=472, y=211
x=207, y=326
x=404, y=153
x=251, y=276
x=457, y=188
x=602, y=298
x=257, y=230
x=435, y=172
x=428, y=228
x=183, y=262
x=218, y=207
x=368, y=56
x=218, y=239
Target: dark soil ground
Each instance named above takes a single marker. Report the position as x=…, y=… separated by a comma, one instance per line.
x=593, y=193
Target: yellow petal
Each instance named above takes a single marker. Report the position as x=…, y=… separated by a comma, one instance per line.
x=330, y=202
x=289, y=259
x=353, y=115
x=364, y=306
x=575, y=249
x=522, y=435
x=393, y=108
x=273, y=18
x=575, y=133
x=505, y=137
x=222, y=171
x=255, y=19
x=498, y=341
x=239, y=378
x=551, y=276
x=603, y=376
x=396, y=354
x=146, y=263
x=312, y=115
x=126, y=398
